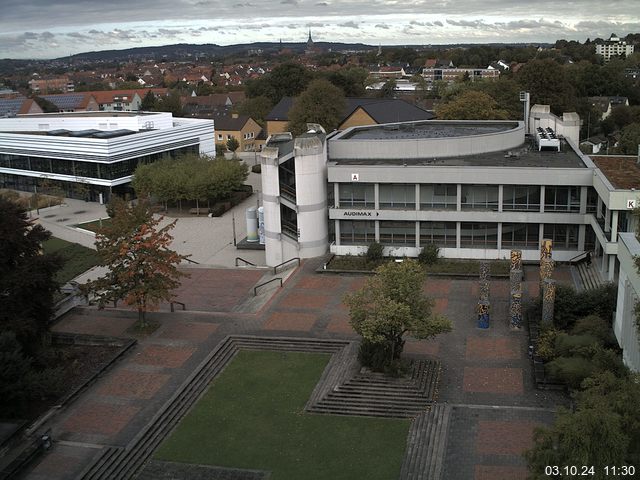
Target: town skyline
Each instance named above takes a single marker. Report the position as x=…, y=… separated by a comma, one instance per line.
x=42, y=30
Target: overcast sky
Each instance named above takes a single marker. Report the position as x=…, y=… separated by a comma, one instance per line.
x=54, y=28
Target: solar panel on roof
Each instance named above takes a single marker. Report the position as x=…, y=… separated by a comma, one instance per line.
x=66, y=102
x=10, y=106
x=84, y=133
x=113, y=133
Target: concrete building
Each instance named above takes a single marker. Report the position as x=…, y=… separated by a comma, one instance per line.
x=613, y=47
x=94, y=151
x=624, y=324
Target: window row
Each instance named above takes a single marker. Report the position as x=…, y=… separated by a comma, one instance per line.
x=444, y=234
x=473, y=197
x=106, y=171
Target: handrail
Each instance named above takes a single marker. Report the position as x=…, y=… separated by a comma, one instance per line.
x=247, y=262
x=191, y=261
x=179, y=303
x=285, y=262
x=255, y=289
x=583, y=254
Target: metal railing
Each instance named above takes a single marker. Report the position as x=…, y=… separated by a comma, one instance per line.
x=255, y=289
x=184, y=307
x=295, y=259
x=247, y=262
x=191, y=261
x=578, y=258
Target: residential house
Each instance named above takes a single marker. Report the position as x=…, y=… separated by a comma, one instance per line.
x=73, y=102
x=46, y=85
x=10, y=106
x=606, y=104
x=241, y=127
x=358, y=112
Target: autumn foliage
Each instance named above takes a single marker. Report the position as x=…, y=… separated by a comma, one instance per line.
x=143, y=270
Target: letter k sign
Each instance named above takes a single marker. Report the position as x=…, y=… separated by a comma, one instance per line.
x=631, y=204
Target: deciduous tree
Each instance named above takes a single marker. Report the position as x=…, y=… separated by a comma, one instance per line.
x=142, y=269
x=392, y=304
x=322, y=102
x=472, y=105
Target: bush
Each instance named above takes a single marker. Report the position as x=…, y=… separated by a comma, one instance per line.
x=571, y=305
x=374, y=252
x=566, y=344
x=570, y=370
x=596, y=327
x=429, y=254
x=256, y=168
x=545, y=347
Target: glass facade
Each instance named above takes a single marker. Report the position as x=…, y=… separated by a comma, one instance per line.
x=564, y=237
x=522, y=235
x=521, y=198
x=478, y=235
x=438, y=197
x=354, y=232
x=480, y=197
x=442, y=234
x=357, y=195
x=78, y=168
x=562, y=199
x=398, y=233
x=398, y=196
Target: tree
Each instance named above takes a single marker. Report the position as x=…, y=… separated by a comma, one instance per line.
x=142, y=270
x=233, y=145
x=388, y=90
x=351, y=80
x=322, y=103
x=257, y=108
x=170, y=103
x=27, y=282
x=548, y=83
x=286, y=80
x=471, y=105
x=604, y=429
x=630, y=139
x=149, y=102
x=390, y=305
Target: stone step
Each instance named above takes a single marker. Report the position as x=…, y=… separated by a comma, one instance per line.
x=589, y=276
x=367, y=411
x=349, y=400
x=380, y=392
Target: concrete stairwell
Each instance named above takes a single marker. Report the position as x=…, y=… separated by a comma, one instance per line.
x=589, y=276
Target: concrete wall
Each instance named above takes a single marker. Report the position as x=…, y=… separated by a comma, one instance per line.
x=346, y=148
x=85, y=121
x=624, y=325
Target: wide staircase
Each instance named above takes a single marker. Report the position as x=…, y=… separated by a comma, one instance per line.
x=588, y=276
x=378, y=395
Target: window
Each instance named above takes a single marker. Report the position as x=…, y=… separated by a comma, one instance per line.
x=564, y=237
x=438, y=197
x=479, y=235
x=480, y=197
x=521, y=198
x=401, y=196
x=442, y=234
x=592, y=200
x=562, y=199
x=398, y=233
x=357, y=195
x=220, y=136
x=357, y=232
x=520, y=235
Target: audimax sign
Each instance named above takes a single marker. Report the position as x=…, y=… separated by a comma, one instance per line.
x=359, y=213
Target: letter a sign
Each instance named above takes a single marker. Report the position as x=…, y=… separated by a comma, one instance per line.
x=355, y=177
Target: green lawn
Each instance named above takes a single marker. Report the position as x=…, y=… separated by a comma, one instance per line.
x=76, y=258
x=252, y=417
x=94, y=225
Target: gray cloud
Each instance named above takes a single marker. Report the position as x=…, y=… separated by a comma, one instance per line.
x=350, y=24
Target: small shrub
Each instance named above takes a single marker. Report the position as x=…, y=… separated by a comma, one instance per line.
x=570, y=370
x=429, y=254
x=256, y=168
x=574, y=344
x=374, y=252
x=545, y=347
x=595, y=326
x=377, y=357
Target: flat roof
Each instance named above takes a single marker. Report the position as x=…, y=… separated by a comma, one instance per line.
x=527, y=155
x=428, y=129
x=623, y=172
x=88, y=114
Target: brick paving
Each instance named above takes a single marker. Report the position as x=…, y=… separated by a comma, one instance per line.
x=132, y=384
x=479, y=367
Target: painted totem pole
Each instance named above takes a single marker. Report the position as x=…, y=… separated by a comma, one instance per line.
x=515, y=279
x=483, y=301
x=547, y=285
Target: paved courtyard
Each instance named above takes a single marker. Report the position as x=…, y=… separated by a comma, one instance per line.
x=486, y=375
